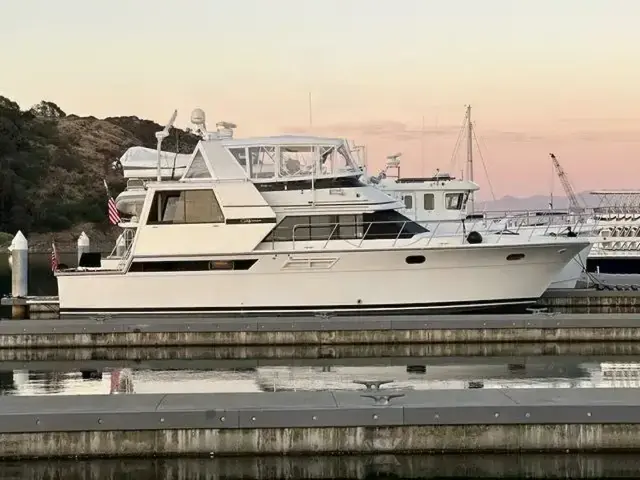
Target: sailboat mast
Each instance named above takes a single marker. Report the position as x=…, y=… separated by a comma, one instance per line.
x=470, y=154
x=422, y=147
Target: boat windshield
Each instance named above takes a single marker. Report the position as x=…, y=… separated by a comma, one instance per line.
x=294, y=161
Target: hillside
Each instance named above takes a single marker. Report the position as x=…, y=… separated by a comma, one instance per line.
x=52, y=166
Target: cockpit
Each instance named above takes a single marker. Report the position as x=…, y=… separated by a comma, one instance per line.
x=293, y=158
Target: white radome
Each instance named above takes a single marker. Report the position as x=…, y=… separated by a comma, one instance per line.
x=198, y=117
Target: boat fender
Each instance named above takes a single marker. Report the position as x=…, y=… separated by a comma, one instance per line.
x=474, y=237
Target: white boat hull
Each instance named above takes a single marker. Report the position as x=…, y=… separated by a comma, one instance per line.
x=357, y=281
x=572, y=272
x=567, y=278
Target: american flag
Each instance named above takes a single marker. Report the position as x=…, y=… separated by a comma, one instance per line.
x=54, y=258
x=112, y=210
x=115, y=381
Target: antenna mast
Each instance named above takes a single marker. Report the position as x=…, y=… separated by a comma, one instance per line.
x=470, y=154
x=310, y=112
x=160, y=136
x=422, y=147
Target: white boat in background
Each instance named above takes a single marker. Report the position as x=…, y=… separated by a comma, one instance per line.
x=442, y=200
x=445, y=201
x=283, y=225
x=139, y=164
x=142, y=162
x=617, y=255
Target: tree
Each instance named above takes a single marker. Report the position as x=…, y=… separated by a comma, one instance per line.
x=48, y=110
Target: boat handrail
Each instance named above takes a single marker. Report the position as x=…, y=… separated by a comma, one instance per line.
x=363, y=231
x=124, y=242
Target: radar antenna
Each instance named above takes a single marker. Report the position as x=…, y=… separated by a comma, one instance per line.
x=198, y=118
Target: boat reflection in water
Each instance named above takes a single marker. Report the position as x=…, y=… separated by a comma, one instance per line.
x=532, y=372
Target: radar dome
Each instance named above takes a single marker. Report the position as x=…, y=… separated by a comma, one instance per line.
x=198, y=117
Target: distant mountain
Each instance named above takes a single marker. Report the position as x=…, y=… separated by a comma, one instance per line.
x=536, y=202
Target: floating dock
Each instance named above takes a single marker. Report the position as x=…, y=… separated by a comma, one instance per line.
x=130, y=332
x=619, y=298
x=375, y=421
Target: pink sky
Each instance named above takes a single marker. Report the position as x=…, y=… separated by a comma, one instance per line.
x=542, y=75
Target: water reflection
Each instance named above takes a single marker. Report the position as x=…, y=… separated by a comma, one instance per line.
x=530, y=372
x=351, y=467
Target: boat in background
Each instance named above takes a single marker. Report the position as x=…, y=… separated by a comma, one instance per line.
x=443, y=200
x=450, y=203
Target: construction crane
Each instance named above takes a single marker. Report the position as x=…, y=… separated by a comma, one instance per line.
x=574, y=204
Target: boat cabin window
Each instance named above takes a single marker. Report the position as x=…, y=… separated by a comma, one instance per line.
x=297, y=161
x=341, y=161
x=198, y=168
x=186, y=206
x=387, y=224
x=240, y=154
x=429, y=201
x=408, y=202
x=454, y=201
x=263, y=162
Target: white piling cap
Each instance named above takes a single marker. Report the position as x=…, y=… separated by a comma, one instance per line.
x=19, y=242
x=83, y=240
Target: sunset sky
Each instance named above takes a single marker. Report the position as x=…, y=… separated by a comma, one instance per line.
x=542, y=76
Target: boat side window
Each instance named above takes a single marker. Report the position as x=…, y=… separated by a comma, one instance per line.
x=465, y=200
x=429, y=201
x=263, y=162
x=240, y=154
x=408, y=202
x=297, y=160
x=198, y=168
x=317, y=227
x=387, y=224
x=453, y=201
x=350, y=227
x=184, y=207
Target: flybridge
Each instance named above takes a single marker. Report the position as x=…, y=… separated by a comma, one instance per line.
x=219, y=156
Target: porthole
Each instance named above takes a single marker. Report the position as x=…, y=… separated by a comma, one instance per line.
x=515, y=256
x=415, y=259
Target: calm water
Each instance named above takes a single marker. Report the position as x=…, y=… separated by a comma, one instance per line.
x=348, y=467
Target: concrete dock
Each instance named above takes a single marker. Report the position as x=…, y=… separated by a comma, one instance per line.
x=613, y=299
x=374, y=421
x=322, y=330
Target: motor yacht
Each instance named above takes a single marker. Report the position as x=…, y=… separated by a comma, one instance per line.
x=284, y=225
